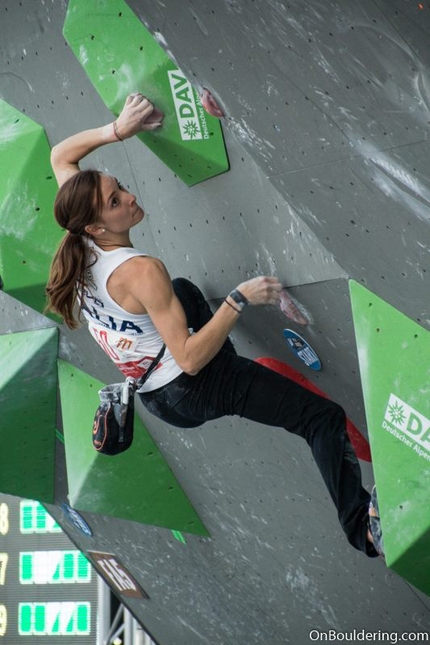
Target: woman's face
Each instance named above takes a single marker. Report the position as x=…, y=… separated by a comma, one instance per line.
x=120, y=211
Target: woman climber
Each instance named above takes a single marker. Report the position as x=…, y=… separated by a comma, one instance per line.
x=133, y=309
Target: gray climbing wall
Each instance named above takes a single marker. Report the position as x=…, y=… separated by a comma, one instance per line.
x=327, y=115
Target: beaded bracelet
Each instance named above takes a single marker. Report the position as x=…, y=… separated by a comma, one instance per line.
x=115, y=131
x=239, y=311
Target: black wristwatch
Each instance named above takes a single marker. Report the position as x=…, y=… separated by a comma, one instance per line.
x=239, y=299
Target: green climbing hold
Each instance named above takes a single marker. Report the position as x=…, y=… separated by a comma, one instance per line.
x=28, y=395
x=393, y=353
x=120, y=56
x=28, y=232
x=135, y=485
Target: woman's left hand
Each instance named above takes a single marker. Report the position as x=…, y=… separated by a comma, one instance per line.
x=138, y=115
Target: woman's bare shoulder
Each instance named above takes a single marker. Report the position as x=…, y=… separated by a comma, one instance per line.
x=141, y=263
x=140, y=266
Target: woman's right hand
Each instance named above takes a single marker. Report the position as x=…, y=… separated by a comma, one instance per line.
x=264, y=290
x=138, y=115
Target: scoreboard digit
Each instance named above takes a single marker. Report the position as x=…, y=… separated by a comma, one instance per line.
x=3, y=620
x=4, y=518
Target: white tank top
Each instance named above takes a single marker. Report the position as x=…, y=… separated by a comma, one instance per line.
x=130, y=340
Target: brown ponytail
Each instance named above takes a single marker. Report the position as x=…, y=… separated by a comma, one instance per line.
x=78, y=203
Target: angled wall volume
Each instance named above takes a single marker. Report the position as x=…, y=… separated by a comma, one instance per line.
x=28, y=386
x=135, y=485
x=393, y=354
x=28, y=233
x=120, y=57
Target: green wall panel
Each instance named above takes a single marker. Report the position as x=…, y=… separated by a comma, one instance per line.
x=135, y=485
x=121, y=56
x=28, y=232
x=394, y=355
x=28, y=391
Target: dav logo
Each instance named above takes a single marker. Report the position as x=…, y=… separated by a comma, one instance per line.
x=406, y=423
x=189, y=111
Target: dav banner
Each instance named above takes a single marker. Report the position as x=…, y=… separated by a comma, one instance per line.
x=189, y=110
x=408, y=425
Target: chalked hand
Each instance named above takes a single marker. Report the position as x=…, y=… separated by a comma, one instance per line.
x=137, y=115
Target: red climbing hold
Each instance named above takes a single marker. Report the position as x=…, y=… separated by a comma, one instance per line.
x=292, y=309
x=210, y=104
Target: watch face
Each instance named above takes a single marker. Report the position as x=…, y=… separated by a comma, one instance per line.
x=238, y=298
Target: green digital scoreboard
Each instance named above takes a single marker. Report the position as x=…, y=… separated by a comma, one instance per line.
x=48, y=589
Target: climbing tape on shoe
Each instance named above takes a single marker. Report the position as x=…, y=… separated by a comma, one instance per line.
x=375, y=524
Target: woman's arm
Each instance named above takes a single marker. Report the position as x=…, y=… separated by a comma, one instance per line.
x=148, y=282
x=137, y=115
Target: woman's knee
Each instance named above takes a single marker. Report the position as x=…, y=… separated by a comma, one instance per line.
x=193, y=302
x=324, y=420
x=187, y=292
x=338, y=412
x=182, y=285
x=335, y=418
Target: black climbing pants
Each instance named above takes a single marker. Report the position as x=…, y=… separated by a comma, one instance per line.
x=234, y=385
